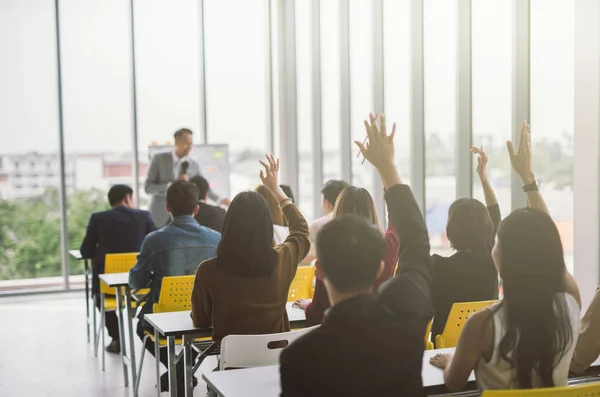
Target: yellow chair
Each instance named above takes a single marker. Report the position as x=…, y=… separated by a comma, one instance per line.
x=175, y=296
x=456, y=319
x=585, y=390
x=428, y=342
x=113, y=263
x=302, y=285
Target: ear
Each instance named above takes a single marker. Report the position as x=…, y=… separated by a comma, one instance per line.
x=319, y=271
x=168, y=209
x=196, y=209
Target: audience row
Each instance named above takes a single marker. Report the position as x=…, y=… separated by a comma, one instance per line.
x=375, y=290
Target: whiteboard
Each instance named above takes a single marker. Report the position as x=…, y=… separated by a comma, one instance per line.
x=213, y=161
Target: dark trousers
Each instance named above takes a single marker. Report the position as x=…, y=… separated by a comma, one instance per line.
x=110, y=321
x=164, y=359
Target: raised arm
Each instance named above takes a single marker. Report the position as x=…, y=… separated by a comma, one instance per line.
x=297, y=244
x=521, y=163
x=491, y=201
x=153, y=185
x=410, y=290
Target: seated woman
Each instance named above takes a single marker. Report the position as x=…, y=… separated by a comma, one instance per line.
x=244, y=289
x=356, y=201
x=280, y=229
x=469, y=275
x=526, y=340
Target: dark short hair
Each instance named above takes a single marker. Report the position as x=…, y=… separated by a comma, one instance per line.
x=180, y=132
x=350, y=250
x=246, y=246
x=288, y=192
x=202, y=185
x=469, y=225
x=118, y=193
x=182, y=198
x=332, y=190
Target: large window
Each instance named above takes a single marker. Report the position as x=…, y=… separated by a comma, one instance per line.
x=330, y=89
x=492, y=89
x=552, y=109
x=97, y=106
x=168, y=72
x=304, y=102
x=29, y=172
x=361, y=84
x=237, y=84
x=440, y=41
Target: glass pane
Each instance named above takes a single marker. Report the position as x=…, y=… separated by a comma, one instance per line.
x=330, y=89
x=98, y=123
x=236, y=84
x=167, y=45
x=304, y=77
x=29, y=171
x=492, y=93
x=361, y=85
x=396, y=41
x=552, y=109
x=440, y=116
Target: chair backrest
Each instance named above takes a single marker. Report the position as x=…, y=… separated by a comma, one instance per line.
x=245, y=351
x=585, y=390
x=175, y=294
x=456, y=319
x=302, y=285
x=428, y=342
x=117, y=263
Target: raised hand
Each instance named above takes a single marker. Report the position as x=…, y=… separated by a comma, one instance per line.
x=521, y=159
x=270, y=177
x=379, y=149
x=482, y=160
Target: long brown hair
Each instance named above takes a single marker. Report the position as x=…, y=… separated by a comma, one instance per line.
x=276, y=214
x=356, y=201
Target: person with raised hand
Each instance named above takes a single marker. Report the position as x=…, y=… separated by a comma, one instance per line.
x=526, y=340
x=389, y=324
x=244, y=289
x=469, y=275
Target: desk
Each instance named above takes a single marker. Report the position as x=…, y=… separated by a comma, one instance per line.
x=86, y=275
x=264, y=381
x=120, y=281
x=175, y=324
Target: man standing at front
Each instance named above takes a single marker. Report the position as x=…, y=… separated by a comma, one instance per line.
x=168, y=167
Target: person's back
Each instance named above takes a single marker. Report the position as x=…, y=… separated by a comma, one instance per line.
x=462, y=277
x=369, y=344
x=497, y=374
x=244, y=289
x=208, y=215
x=118, y=230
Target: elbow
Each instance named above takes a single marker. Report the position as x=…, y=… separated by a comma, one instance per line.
x=454, y=385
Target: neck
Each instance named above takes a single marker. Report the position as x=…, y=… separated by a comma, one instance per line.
x=336, y=297
x=121, y=204
x=179, y=155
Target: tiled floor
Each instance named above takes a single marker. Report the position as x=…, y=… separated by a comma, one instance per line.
x=43, y=352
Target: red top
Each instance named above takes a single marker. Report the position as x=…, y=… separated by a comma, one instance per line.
x=320, y=303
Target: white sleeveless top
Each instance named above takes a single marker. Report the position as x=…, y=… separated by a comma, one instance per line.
x=498, y=374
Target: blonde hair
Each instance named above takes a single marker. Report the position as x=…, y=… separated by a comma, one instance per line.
x=276, y=214
x=356, y=201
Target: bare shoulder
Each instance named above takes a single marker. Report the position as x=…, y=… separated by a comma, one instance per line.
x=480, y=327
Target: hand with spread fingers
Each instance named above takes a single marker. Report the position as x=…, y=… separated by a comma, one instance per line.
x=440, y=360
x=521, y=159
x=379, y=150
x=270, y=178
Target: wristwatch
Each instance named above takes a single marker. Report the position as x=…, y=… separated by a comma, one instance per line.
x=532, y=187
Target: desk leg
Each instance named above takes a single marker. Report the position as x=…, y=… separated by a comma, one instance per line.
x=122, y=333
x=86, y=275
x=130, y=312
x=157, y=360
x=187, y=365
x=172, y=366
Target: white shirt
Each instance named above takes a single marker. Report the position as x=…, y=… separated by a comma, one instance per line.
x=497, y=374
x=177, y=163
x=315, y=227
x=280, y=233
